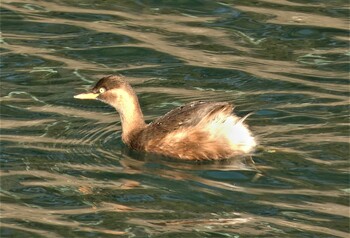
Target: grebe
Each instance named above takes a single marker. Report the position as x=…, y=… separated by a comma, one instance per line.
x=195, y=131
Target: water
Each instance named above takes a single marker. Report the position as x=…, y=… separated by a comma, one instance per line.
x=66, y=173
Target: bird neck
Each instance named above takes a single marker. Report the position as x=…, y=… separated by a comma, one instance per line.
x=130, y=113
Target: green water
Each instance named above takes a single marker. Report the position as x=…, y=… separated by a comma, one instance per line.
x=65, y=171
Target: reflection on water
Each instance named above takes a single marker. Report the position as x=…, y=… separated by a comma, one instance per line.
x=66, y=173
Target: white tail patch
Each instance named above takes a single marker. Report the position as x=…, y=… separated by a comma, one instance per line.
x=234, y=130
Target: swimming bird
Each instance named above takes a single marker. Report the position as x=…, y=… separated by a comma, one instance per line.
x=195, y=131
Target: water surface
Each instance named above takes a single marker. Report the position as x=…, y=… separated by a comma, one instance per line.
x=66, y=173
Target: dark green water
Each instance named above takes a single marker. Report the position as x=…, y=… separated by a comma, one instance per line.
x=65, y=171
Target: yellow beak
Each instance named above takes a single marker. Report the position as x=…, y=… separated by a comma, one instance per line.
x=86, y=96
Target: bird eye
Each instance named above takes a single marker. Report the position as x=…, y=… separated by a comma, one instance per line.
x=102, y=90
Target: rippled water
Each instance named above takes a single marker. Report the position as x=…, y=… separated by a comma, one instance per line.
x=65, y=171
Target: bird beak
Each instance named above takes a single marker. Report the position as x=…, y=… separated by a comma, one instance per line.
x=86, y=96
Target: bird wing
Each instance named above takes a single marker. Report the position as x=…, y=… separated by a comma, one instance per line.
x=188, y=115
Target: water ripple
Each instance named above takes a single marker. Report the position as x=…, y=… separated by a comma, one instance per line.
x=66, y=173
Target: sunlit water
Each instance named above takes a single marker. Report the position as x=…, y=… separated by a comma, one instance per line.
x=66, y=173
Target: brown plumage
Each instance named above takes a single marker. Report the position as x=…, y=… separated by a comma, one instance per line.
x=195, y=131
